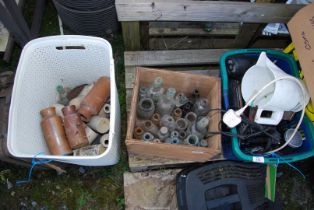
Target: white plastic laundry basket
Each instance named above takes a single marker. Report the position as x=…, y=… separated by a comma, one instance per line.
x=44, y=64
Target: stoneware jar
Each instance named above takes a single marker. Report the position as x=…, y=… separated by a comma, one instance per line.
x=54, y=133
x=74, y=128
x=95, y=99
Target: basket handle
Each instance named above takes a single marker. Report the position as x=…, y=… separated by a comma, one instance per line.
x=71, y=47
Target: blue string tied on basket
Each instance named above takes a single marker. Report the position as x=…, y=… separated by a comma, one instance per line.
x=280, y=159
x=34, y=163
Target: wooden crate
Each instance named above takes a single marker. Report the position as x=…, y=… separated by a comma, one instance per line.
x=209, y=87
x=193, y=61
x=179, y=24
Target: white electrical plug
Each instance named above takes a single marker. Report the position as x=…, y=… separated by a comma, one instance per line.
x=232, y=118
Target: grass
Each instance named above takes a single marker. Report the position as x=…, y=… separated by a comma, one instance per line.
x=98, y=187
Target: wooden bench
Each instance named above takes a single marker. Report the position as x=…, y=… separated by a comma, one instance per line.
x=179, y=24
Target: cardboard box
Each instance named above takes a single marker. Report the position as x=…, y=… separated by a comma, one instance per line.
x=209, y=87
x=301, y=28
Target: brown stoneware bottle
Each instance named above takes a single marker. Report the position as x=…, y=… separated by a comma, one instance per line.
x=54, y=133
x=74, y=128
x=95, y=99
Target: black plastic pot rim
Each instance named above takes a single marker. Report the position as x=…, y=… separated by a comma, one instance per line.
x=82, y=12
x=85, y=6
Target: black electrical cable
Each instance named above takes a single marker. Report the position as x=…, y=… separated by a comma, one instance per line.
x=246, y=121
x=239, y=136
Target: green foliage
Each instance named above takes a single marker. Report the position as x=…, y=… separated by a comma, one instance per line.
x=121, y=202
x=4, y=174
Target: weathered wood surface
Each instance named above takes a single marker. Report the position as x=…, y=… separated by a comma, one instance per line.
x=197, y=10
x=186, y=43
x=150, y=190
x=192, y=29
x=131, y=35
x=161, y=35
x=130, y=74
x=143, y=163
x=173, y=57
x=246, y=35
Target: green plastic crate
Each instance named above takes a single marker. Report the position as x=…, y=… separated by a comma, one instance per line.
x=307, y=148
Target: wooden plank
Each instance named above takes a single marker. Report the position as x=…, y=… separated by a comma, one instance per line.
x=142, y=163
x=197, y=10
x=192, y=29
x=245, y=41
x=130, y=74
x=186, y=42
x=128, y=95
x=154, y=190
x=144, y=33
x=173, y=57
x=131, y=35
x=247, y=32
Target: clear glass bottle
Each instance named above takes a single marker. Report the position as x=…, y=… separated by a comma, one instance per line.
x=168, y=121
x=201, y=107
x=156, y=89
x=145, y=108
x=166, y=103
x=200, y=127
x=163, y=133
x=192, y=140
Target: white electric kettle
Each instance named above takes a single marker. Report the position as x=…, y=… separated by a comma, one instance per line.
x=284, y=95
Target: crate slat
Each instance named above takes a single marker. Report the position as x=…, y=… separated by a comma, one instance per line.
x=173, y=57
